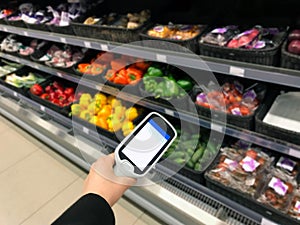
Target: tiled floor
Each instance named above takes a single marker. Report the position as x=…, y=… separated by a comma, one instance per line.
x=37, y=184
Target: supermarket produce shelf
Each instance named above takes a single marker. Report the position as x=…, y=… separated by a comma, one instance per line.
x=243, y=134
x=252, y=71
x=168, y=200
x=63, y=120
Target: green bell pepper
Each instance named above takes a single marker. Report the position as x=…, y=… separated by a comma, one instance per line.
x=153, y=72
x=171, y=88
x=185, y=84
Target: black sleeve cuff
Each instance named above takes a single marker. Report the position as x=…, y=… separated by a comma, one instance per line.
x=90, y=209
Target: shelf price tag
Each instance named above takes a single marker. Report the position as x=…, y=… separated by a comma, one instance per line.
x=216, y=127
x=63, y=40
x=294, y=152
x=5, y=29
x=265, y=221
x=17, y=60
x=59, y=74
x=169, y=112
x=42, y=108
x=26, y=33
x=240, y=72
x=15, y=94
x=161, y=58
x=85, y=130
x=36, y=66
x=87, y=44
x=104, y=47
x=98, y=87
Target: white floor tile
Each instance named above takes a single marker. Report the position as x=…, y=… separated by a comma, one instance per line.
x=126, y=213
x=13, y=148
x=146, y=219
x=30, y=184
x=51, y=211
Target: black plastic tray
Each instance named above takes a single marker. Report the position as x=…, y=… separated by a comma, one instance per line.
x=61, y=30
x=269, y=56
x=41, y=27
x=164, y=43
x=266, y=211
x=63, y=110
x=246, y=122
x=270, y=130
x=17, y=23
x=107, y=32
x=289, y=60
x=23, y=90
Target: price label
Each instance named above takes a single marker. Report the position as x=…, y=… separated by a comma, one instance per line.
x=104, y=47
x=35, y=66
x=236, y=71
x=294, y=152
x=169, y=112
x=5, y=29
x=85, y=130
x=265, y=221
x=87, y=44
x=15, y=94
x=17, y=60
x=25, y=33
x=42, y=108
x=59, y=74
x=98, y=87
x=63, y=40
x=161, y=58
x=217, y=127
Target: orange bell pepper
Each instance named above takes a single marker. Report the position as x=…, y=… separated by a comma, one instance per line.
x=134, y=75
x=84, y=67
x=110, y=75
x=97, y=69
x=121, y=77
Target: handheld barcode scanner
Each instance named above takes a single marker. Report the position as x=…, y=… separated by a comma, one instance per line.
x=144, y=146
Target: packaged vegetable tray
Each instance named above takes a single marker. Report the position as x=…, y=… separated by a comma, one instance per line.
x=271, y=130
x=178, y=34
x=290, y=51
x=192, y=156
x=268, y=55
x=266, y=211
x=29, y=78
x=15, y=22
x=234, y=94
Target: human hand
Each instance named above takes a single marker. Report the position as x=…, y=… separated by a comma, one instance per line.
x=102, y=180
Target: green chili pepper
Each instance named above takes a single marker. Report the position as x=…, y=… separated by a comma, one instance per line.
x=198, y=167
x=153, y=72
x=197, y=155
x=185, y=84
x=190, y=164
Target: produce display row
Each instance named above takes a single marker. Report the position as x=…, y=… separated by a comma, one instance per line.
x=255, y=177
x=235, y=166
x=241, y=102
x=256, y=44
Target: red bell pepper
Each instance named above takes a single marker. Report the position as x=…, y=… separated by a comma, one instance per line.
x=36, y=89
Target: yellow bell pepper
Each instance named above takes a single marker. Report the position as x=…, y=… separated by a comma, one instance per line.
x=93, y=108
x=105, y=112
x=86, y=115
x=131, y=113
x=100, y=99
x=115, y=103
x=94, y=120
x=119, y=112
x=85, y=100
x=128, y=125
x=75, y=109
